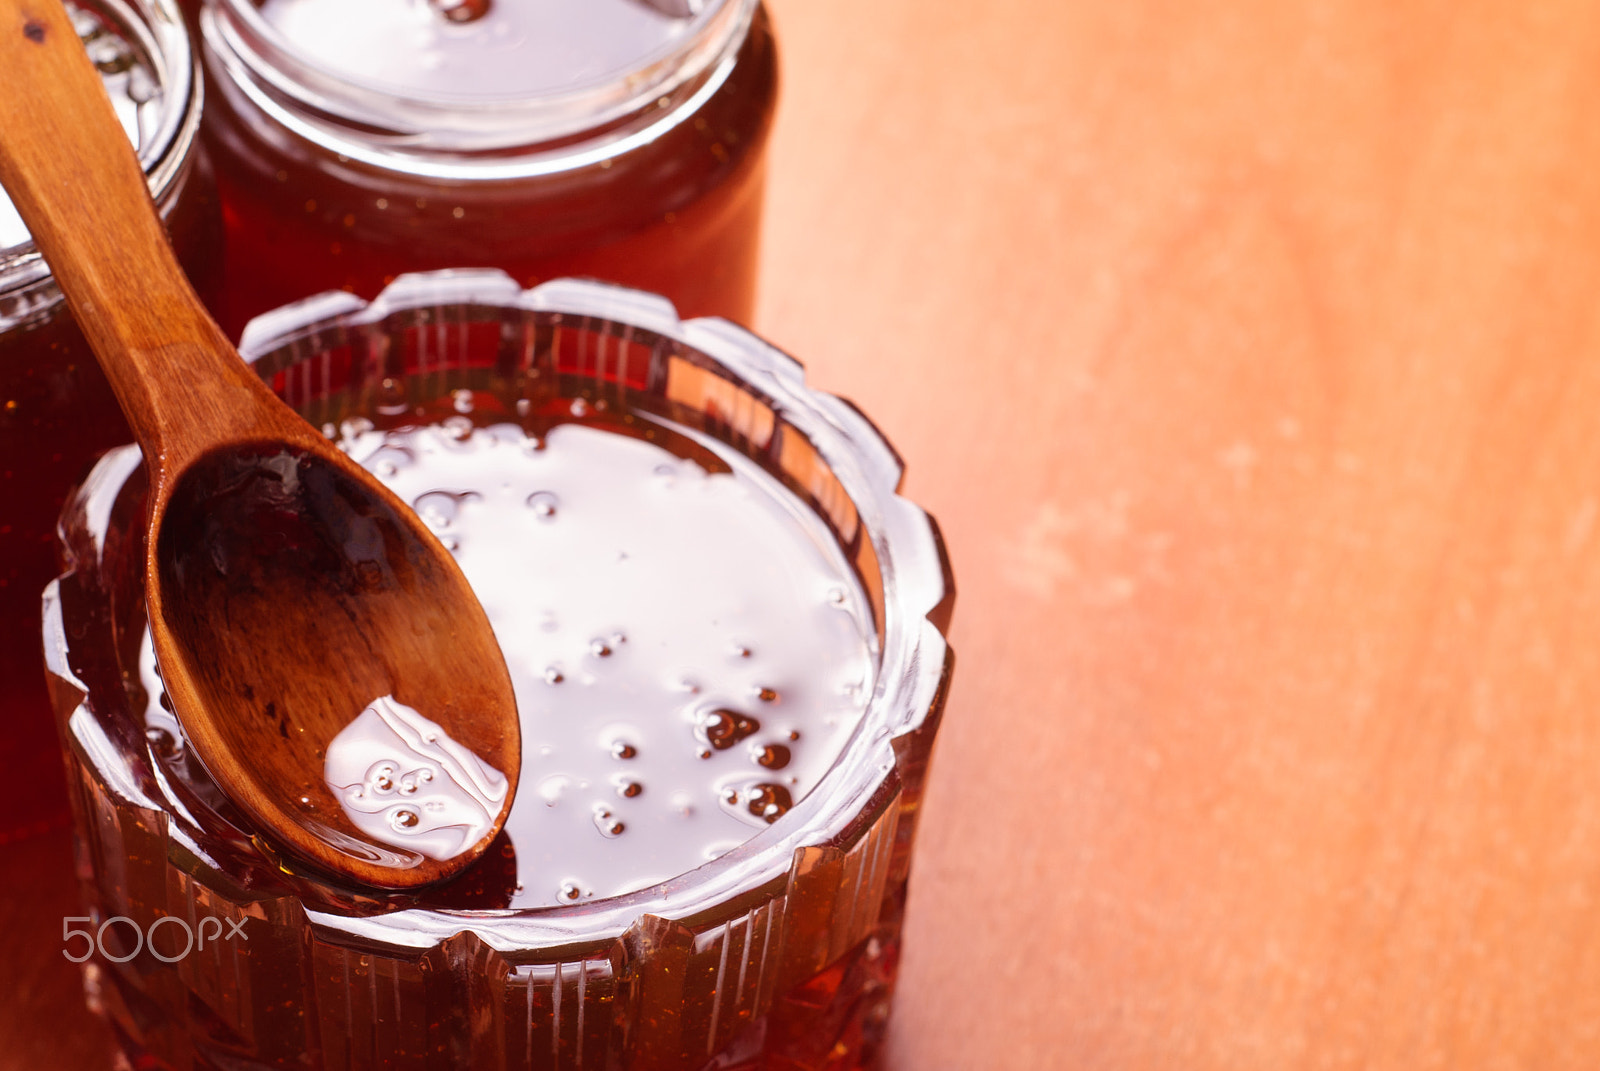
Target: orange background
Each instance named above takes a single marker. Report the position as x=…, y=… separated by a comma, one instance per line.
x=1247, y=353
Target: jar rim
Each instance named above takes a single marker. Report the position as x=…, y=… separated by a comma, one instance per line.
x=156, y=28
x=348, y=112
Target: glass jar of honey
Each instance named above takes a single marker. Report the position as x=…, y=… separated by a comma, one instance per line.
x=616, y=139
x=56, y=410
x=725, y=630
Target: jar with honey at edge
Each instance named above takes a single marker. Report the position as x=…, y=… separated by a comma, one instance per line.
x=616, y=139
x=57, y=412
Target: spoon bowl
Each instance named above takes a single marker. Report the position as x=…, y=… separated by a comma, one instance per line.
x=324, y=654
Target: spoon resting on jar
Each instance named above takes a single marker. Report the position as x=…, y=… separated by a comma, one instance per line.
x=327, y=661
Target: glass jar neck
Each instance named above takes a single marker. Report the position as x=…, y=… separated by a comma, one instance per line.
x=164, y=135
x=420, y=131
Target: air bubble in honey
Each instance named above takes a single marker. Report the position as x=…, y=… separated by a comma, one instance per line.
x=607, y=823
x=772, y=756
x=724, y=728
x=543, y=504
x=391, y=397
x=761, y=802
x=439, y=509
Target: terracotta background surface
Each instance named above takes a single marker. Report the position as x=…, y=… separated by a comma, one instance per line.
x=1249, y=355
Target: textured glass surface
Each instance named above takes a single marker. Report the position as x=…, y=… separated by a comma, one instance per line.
x=779, y=954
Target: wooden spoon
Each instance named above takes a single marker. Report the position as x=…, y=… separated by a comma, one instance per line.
x=325, y=656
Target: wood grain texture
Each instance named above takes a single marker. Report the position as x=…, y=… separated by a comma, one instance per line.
x=287, y=588
x=1247, y=353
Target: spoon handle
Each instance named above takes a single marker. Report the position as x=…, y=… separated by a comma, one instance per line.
x=160, y=349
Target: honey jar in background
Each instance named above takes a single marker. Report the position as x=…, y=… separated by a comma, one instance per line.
x=56, y=410
x=617, y=139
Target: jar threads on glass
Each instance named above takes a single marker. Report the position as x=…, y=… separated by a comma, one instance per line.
x=568, y=137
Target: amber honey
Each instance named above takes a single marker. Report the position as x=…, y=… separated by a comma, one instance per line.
x=57, y=412
x=594, y=138
x=724, y=628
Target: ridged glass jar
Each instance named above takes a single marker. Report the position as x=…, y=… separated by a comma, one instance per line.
x=779, y=954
